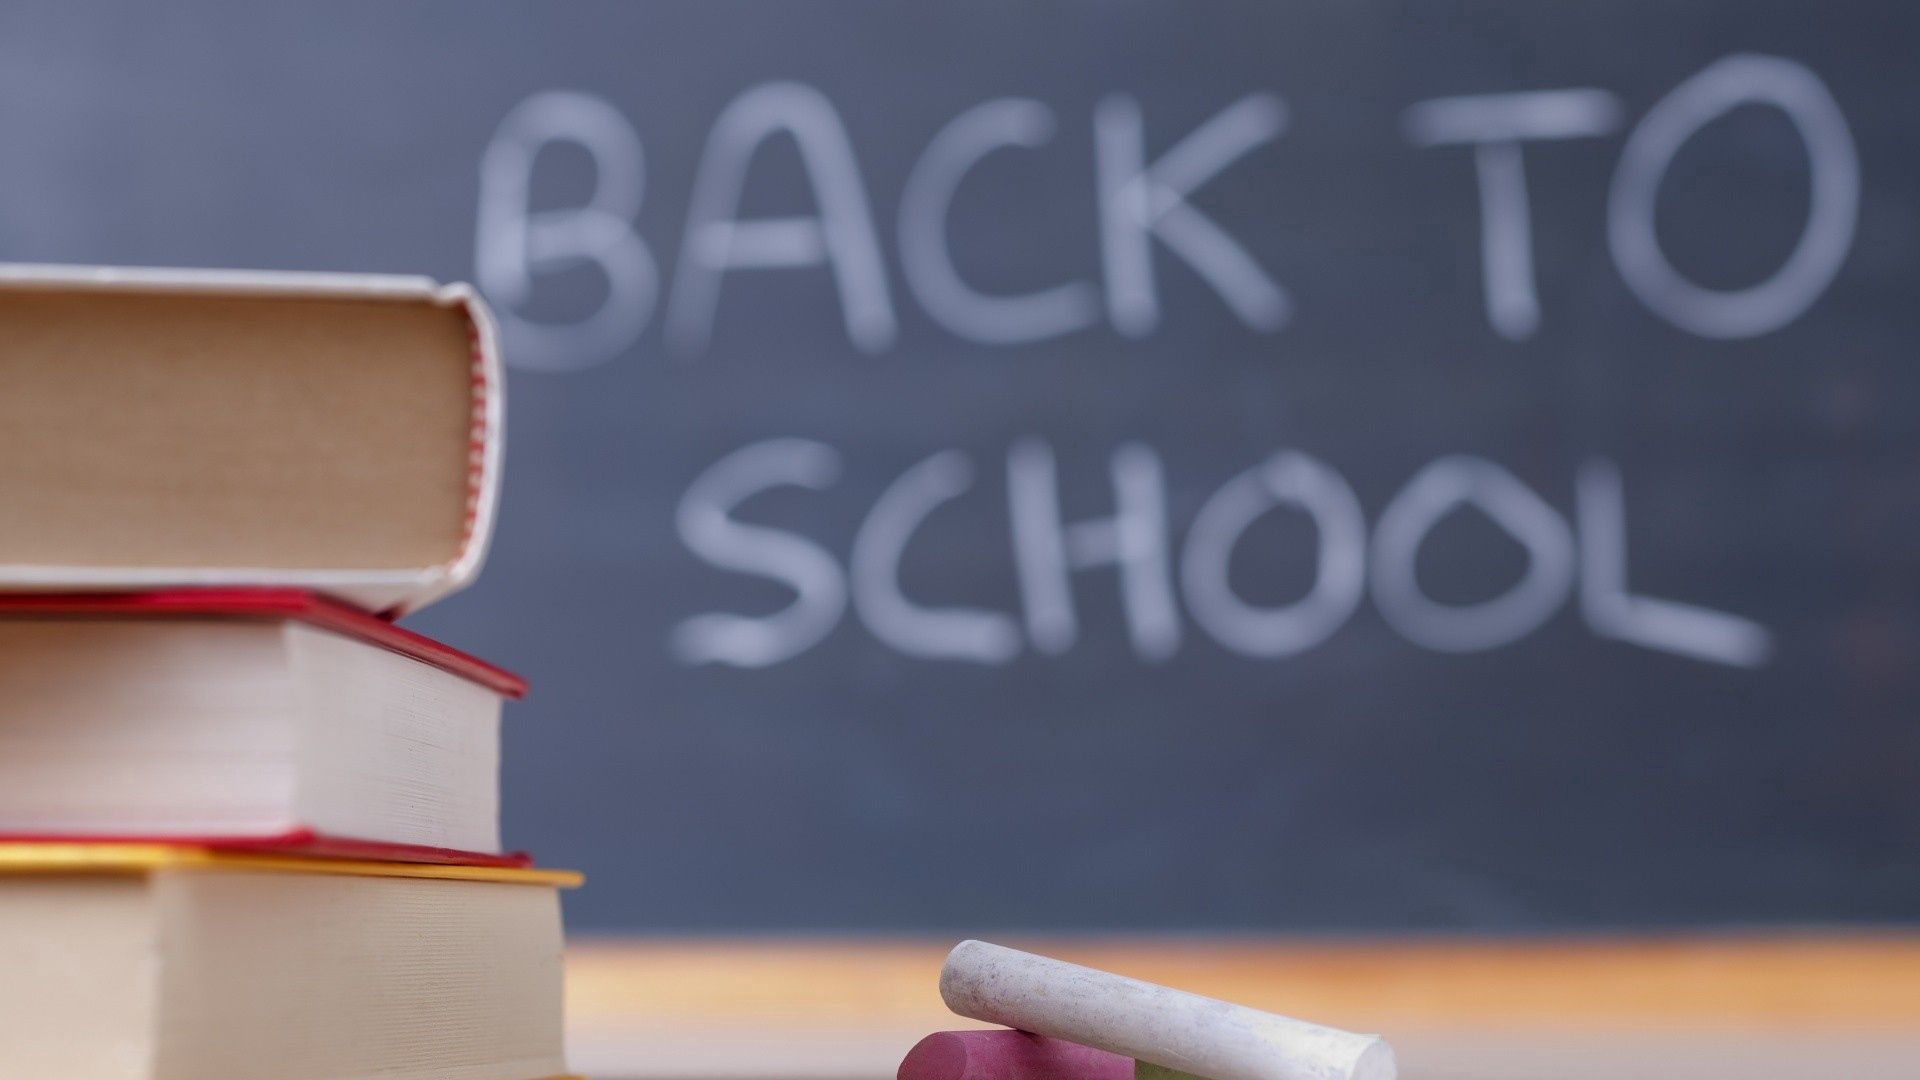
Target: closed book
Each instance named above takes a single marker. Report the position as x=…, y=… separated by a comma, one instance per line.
x=163, y=428
x=129, y=962
x=263, y=718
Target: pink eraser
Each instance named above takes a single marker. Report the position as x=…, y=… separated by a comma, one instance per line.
x=1004, y=1054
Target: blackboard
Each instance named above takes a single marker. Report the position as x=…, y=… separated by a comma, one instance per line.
x=1321, y=466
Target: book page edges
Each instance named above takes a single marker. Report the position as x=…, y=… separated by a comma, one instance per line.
x=387, y=590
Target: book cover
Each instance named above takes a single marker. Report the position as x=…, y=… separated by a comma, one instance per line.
x=17, y=857
x=295, y=604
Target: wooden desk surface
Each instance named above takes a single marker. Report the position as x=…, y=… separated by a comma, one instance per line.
x=1813, y=1006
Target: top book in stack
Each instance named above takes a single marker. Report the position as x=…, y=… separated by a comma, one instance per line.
x=169, y=428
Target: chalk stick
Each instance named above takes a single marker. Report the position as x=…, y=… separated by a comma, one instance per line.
x=1001, y=1054
x=1182, y=1031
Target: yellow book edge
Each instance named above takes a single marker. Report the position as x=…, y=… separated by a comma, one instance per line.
x=82, y=858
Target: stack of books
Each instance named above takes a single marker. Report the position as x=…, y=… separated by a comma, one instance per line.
x=249, y=827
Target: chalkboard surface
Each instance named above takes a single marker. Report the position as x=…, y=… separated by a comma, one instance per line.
x=1315, y=466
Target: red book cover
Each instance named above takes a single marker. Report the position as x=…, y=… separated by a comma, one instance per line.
x=298, y=605
x=303, y=842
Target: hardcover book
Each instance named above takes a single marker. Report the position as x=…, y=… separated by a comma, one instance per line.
x=165, y=428
x=128, y=962
x=266, y=718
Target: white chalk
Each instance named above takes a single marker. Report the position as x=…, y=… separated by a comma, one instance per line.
x=1171, y=1028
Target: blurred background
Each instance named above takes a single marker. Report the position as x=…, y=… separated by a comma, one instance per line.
x=1397, y=512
